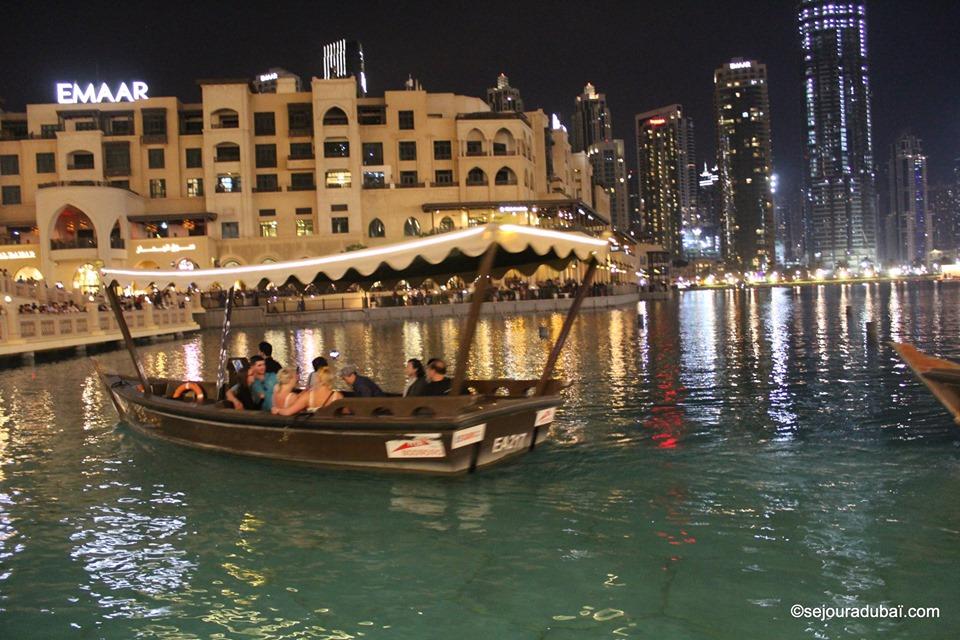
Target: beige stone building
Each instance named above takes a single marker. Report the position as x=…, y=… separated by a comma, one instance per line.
x=248, y=178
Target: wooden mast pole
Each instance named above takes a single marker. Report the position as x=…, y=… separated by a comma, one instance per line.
x=466, y=338
x=565, y=330
x=127, y=338
x=221, y=360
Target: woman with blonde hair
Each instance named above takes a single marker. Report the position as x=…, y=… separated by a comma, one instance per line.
x=284, y=394
x=320, y=395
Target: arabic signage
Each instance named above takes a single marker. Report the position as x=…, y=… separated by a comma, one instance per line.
x=170, y=247
x=18, y=255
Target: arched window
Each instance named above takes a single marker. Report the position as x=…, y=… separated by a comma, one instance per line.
x=476, y=176
x=505, y=176
x=334, y=116
x=411, y=227
x=376, y=229
x=225, y=119
x=504, y=143
x=447, y=224
x=73, y=230
x=475, y=140
x=27, y=274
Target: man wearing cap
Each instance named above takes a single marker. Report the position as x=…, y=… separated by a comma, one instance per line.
x=363, y=387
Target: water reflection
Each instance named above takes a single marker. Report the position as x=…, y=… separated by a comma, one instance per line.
x=726, y=455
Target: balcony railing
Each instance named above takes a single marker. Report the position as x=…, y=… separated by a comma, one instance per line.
x=302, y=187
x=267, y=189
x=474, y=152
x=225, y=125
x=82, y=183
x=445, y=184
x=301, y=157
x=375, y=185
x=411, y=185
x=118, y=243
x=153, y=138
x=113, y=172
x=73, y=243
x=227, y=158
x=80, y=167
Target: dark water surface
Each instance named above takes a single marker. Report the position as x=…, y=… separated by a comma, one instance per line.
x=730, y=456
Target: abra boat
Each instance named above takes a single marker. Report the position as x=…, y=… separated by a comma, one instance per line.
x=481, y=422
x=941, y=376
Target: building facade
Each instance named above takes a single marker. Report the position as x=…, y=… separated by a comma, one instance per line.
x=592, y=121
x=839, y=172
x=909, y=224
x=247, y=178
x=610, y=173
x=666, y=162
x=503, y=97
x=703, y=239
x=744, y=158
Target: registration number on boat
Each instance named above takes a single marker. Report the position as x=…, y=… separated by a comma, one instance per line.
x=509, y=443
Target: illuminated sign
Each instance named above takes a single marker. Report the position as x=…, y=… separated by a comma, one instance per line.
x=267, y=77
x=513, y=209
x=170, y=247
x=657, y=121
x=17, y=255
x=72, y=93
x=740, y=65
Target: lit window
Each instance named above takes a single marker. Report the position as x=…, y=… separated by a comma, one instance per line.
x=338, y=179
x=304, y=227
x=268, y=229
x=195, y=187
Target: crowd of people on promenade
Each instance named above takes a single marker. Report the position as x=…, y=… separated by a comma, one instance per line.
x=51, y=307
x=266, y=385
x=510, y=289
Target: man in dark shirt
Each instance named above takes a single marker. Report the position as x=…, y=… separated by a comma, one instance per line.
x=438, y=384
x=266, y=351
x=363, y=387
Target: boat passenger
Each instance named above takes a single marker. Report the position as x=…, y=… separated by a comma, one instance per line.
x=416, y=379
x=248, y=392
x=438, y=384
x=318, y=363
x=284, y=394
x=266, y=352
x=320, y=395
x=363, y=387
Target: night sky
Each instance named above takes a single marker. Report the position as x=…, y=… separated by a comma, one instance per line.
x=641, y=54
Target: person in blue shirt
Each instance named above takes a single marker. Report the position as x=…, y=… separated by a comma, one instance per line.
x=251, y=392
x=363, y=387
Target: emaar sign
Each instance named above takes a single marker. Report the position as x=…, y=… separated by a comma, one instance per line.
x=72, y=93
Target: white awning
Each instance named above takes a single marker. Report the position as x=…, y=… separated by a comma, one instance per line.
x=452, y=253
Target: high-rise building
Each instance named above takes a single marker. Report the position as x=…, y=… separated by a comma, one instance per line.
x=704, y=237
x=909, y=226
x=944, y=210
x=592, y=122
x=503, y=97
x=633, y=197
x=344, y=59
x=610, y=172
x=839, y=178
x=593, y=134
x=742, y=115
x=668, y=175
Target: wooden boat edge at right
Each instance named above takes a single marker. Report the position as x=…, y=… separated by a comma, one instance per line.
x=941, y=376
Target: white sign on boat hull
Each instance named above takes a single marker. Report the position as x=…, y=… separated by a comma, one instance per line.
x=545, y=416
x=418, y=447
x=470, y=435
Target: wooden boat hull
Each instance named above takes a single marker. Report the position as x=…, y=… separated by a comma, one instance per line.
x=941, y=376
x=486, y=431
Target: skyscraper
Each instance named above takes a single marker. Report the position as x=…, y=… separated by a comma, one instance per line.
x=503, y=97
x=592, y=122
x=706, y=241
x=668, y=175
x=610, y=172
x=839, y=178
x=343, y=59
x=742, y=115
x=593, y=133
x=909, y=225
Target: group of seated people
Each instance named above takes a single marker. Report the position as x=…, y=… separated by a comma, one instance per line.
x=51, y=307
x=266, y=385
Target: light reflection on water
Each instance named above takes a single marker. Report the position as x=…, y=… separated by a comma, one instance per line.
x=718, y=459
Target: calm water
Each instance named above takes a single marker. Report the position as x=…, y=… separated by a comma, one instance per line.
x=731, y=455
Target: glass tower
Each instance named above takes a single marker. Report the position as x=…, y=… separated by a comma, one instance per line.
x=839, y=174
